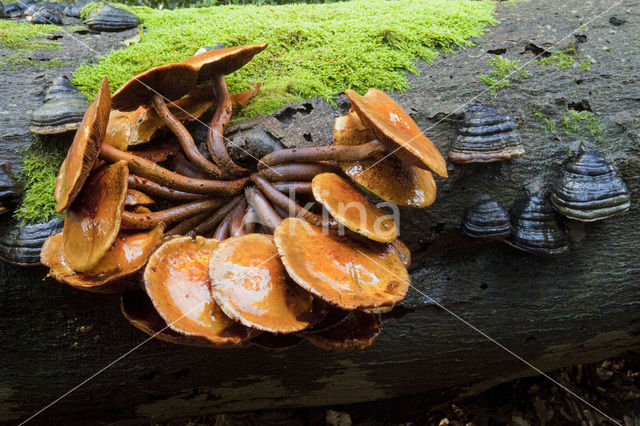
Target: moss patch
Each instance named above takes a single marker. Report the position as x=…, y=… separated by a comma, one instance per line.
x=565, y=58
x=549, y=124
x=581, y=123
x=505, y=71
x=314, y=50
x=40, y=167
x=22, y=36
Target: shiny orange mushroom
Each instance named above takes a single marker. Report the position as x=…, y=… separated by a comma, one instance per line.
x=137, y=198
x=177, y=281
x=385, y=176
x=84, y=149
x=350, y=208
x=93, y=220
x=127, y=255
x=251, y=286
x=392, y=126
x=346, y=272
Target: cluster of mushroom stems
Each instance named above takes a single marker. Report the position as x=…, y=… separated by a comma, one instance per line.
x=208, y=253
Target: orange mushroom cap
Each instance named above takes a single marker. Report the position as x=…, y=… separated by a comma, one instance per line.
x=356, y=331
x=223, y=61
x=250, y=284
x=93, y=220
x=397, y=130
x=347, y=272
x=127, y=255
x=134, y=197
x=84, y=149
x=386, y=177
x=171, y=81
x=350, y=208
x=177, y=281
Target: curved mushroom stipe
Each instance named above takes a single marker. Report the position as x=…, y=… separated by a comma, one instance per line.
x=155, y=151
x=292, y=208
x=161, y=192
x=147, y=220
x=215, y=137
x=180, y=165
x=212, y=221
x=222, y=231
x=185, y=138
x=297, y=171
x=158, y=174
x=250, y=220
x=236, y=225
x=293, y=188
x=267, y=214
x=187, y=225
x=323, y=153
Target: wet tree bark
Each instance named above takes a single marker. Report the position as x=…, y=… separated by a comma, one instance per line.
x=466, y=297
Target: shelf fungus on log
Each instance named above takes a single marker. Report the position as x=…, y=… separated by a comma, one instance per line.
x=534, y=227
x=485, y=133
x=62, y=110
x=486, y=219
x=589, y=188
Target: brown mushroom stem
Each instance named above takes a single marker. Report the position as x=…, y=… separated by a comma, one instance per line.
x=292, y=208
x=250, y=220
x=222, y=231
x=236, y=228
x=267, y=214
x=323, y=153
x=294, y=188
x=210, y=223
x=158, y=174
x=297, y=171
x=188, y=224
x=148, y=220
x=185, y=138
x=161, y=192
x=179, y=164
x=215, y=138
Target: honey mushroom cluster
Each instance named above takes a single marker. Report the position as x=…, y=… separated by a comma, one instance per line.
x=208, y=253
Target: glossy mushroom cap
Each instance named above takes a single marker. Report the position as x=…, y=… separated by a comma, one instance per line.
x=137, y=198
x=127, y=255
x=84, y=149
x=486, y=219
x=589, y=188
x=485, y=134
x=346, y=272
x=171, y=81
x=396, y=129
x=223, y=61
x=350, y=208
x=386, y=176
x=177, y=282
x=251, y=286
x=534, y=227
x=93, y=220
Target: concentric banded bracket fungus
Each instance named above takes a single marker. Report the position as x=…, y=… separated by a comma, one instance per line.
x=486, y=219
x=93, y=219
x=251, y=286
x=485, y=134
x=392, y=126
x=62, y=109
x=350, y=208
x=346, y=272
x=127, y=255
x=177, y=282
x=589, y=188
x=152, y=87
x=84, y=149
x=385, y=176
x=212, y=66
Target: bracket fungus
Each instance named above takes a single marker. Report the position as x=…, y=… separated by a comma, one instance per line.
x=201, y=229
x=486, y=219
x=62, y=109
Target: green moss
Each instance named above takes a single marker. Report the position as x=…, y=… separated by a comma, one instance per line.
x=40, y=167
x=24, y=36
x=502, y=74
x=549, y=124
x=89, y=9
x=581, y=123
x=565, y=58
x=17, y=59
x=314, y=50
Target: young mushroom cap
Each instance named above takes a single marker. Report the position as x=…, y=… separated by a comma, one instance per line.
x=350, y=208
x=396, y=129
x=127, y=255
x=358, y=330
x=84, y=149
x=223, y=61
x=137, y=198
x=93, y=220
x=177, y=281
x=171, y=81
x=386, y=177
x=346, y=272
x=251, y=285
